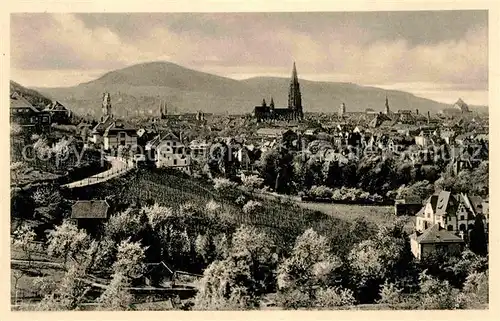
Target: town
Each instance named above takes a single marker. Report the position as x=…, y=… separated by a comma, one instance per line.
x=94, y=187
x=249, y=161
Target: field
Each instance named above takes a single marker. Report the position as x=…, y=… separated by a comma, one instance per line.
x=379, y=215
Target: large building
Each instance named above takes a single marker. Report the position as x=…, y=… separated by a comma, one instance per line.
x=294, y=110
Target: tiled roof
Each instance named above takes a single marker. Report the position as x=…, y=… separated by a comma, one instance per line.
x=437, y=234
x=90, y=209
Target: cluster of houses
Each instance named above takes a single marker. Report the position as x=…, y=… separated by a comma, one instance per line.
x=445, y=222
x=36, y=118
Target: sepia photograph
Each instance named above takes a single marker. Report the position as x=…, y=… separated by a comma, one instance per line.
x=204, y=161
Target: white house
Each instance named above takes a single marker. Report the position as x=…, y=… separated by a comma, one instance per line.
x=169, y=151
x=453, y=212
x=119, y=134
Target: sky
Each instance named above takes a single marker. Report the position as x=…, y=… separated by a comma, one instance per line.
x=441, y=55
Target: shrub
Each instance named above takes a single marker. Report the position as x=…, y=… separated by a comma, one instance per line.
x=321, y=192
x=252, y=207
x=334, y=297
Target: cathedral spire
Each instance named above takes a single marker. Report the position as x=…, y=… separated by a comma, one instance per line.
x=387, y=109
x=295, y=78
x=294, y=95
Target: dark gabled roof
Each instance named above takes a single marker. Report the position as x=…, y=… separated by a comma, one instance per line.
x=437, y=234
x=103, y=125
x=56, y=106
x=90, y=209
x=119, y=126
x=18, y=101
x=158, y=139
x=421, y=212
x=442, y=202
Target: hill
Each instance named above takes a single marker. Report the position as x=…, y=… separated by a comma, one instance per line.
x=33, y=96
x=138, y=89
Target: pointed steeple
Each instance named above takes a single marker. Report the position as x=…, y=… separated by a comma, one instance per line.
x=264, y=104
x=387, y=109
x=272, y=103
x=295, y=78
x=294, y=95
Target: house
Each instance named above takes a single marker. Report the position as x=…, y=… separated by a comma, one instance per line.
x=58, y=113
x=243, y=156
x=119, y=134
x=435, y=240
x=169, y=151
x=91, y=209
x=409, y=205
x=23, y=113
x=89, y=214
x=199, y=149
x=447, y=136
x=97, y=133
x=424, y=139
x=454, y=212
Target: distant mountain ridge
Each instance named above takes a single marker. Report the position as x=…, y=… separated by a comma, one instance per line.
x=138, y=90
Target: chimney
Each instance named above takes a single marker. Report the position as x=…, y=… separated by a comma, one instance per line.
x=416, y=111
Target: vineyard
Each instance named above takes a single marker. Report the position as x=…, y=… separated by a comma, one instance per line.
x=282, y=220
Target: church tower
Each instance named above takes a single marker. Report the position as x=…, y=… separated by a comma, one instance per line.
x=106, y=105
x=342, y=110
x=294, y=96
x=387, y=110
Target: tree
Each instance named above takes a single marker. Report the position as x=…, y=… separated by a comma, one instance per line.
x=390, y=293
x=24, y=238
x=116, y=297
x=309, y=266
x=129, y=260
x=276, y=168
x=130, y=222
x=386, y=256
x=421, y=189
x=436, y=294
x=69, y=292
x=158, y=216
x=475, y=292
x=478, y=239
x=221, y=287
x=239, y=280
x=67, y=241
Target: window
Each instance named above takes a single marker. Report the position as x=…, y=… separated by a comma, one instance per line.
x=462, y=227
x=175, y=161
x=33, y=119
x=173, y=144
x=168, y=143
x=450, y=227
x=45, y=119
x=462, y=217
